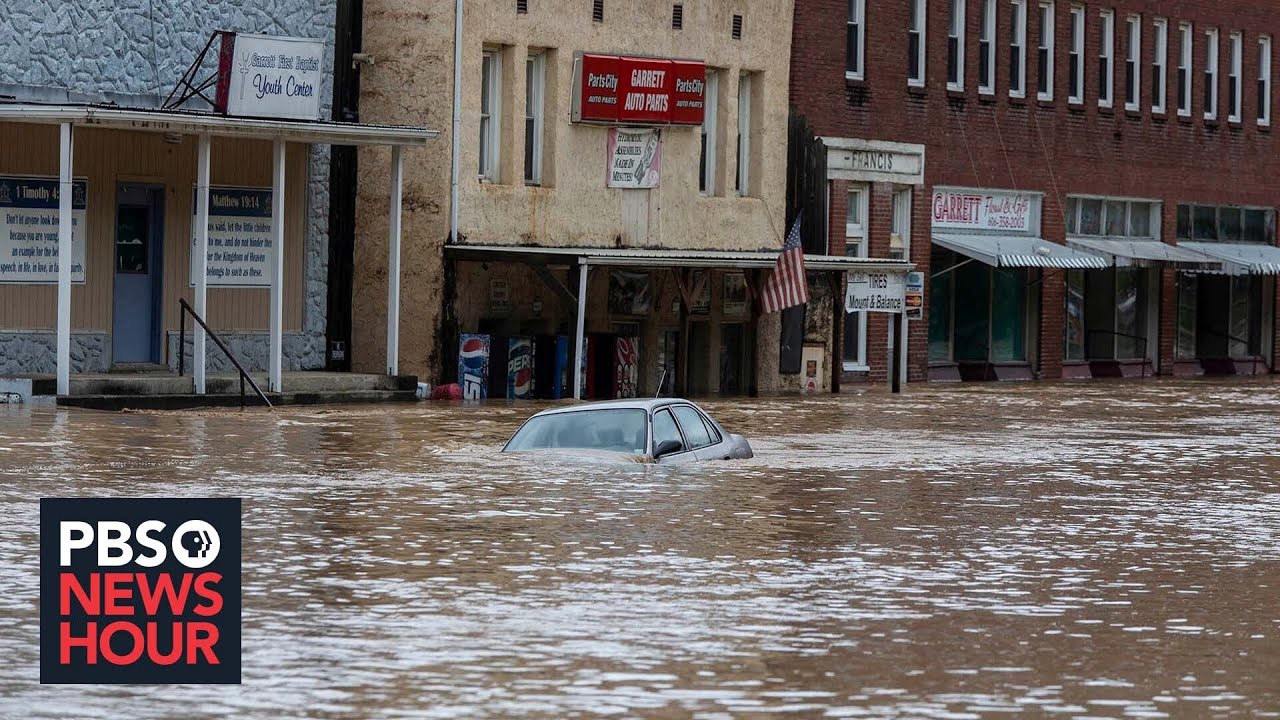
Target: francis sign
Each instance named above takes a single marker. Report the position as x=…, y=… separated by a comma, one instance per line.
x=621, y=90
x=268, y=76
x=875, y=292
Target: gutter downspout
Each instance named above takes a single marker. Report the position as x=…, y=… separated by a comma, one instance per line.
x=457, y=119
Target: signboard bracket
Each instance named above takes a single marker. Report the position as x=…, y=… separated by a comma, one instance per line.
x=187, y=87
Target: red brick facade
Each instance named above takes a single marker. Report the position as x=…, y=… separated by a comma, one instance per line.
x=1048, y=146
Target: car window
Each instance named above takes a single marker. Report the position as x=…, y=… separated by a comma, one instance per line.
x=622, y=430
x=664, y=428
x=694, y=429
x=711, y=429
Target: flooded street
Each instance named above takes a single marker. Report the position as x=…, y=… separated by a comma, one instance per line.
x=1067, y=550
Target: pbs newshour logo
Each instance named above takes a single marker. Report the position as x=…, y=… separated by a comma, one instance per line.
x=140, y=590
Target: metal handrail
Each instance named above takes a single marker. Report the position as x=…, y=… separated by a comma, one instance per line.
x=1145, y=360
x=182, y=350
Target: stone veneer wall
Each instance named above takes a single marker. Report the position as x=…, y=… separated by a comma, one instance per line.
x=133, y=52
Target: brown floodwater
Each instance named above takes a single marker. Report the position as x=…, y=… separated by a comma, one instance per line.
x=1106, y=549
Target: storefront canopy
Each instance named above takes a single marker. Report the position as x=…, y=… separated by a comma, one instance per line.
x=637, y=257
x=1018, y=252
x=1146, y=253
x=1240, y=258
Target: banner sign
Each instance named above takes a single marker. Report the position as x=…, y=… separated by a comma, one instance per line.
x=269, y=76
x=635, y=158
x=241, y=238
x=29, y=230
x=616, y=89
x=983, y=210
x=875, y=292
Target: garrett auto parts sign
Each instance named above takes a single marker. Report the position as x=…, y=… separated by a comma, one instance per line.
x=619, y=89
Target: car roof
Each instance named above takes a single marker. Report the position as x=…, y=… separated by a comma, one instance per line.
x=628, y=404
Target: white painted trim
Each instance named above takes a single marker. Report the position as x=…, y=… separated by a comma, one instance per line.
x=393, y=262
x=66, y=180
x=276, y=315
x=201, y=292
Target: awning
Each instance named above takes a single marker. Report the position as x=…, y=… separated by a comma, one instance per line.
x=1240, y=258
x=1019, y=252
x=1145, y=253
x=644, y=257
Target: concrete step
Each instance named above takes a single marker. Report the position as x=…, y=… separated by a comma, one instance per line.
x=182, y=401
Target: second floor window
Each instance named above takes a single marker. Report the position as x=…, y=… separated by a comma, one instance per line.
x=1185, y=38
x=955, y=46
x=1017, y=48
x=707, y=165
x=1211, y=74
x=1106, y=51
x=1075, y=73
x=1044, y=54
x=535, y=81
x=987, y=49
x=490, y=114
x=853, y=52
x=1159, y=81
x=1234, y=70
x=1133, y=50
x=1264, y=80
x=915, y=44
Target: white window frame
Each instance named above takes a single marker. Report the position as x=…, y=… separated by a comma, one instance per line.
x=1160, y=66
x=1133, y=59
x=535, y=65
x=1235, y=71
x=491, y=133
x=987, y=48
x=1018, y=43
x=744, y=135
x=1044, y=54
x=1107, y=53
x=1211, y=73
x=919, y=30
x=859, y=230
x=1076, y=56
x=857, y=23
x=1186, y=67
x=955, y=31
x=1264, y=78
x=710, y=129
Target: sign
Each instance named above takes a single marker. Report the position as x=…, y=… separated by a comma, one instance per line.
x=735, y=294
x=241, y=238
x=139, y=590
x=499, y=296
x=269, y=76
x=914, y=299
x=875, y=292
x=473, y=366
x=983, y=210
x=29, y=230
x=520, y=368
x=874, y=161
x=627, y=367
x=617, y=89
x=630, y=292
x=635, y=158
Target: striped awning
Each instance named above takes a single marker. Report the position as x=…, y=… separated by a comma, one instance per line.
x=1240, y=258
x=1146, y=253
x=1018, y=252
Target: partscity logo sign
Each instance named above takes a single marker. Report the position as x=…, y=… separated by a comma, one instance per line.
x=140, y=590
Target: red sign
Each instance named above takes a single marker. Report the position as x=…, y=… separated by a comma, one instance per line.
x=622, y=90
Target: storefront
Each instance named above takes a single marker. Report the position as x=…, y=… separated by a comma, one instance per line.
x=1226, y=320
x=1112, y=315
x=986, y=266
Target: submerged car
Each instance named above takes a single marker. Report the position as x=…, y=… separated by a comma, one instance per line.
x=665, y=430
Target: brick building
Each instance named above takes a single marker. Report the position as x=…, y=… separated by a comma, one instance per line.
x=1098, y=179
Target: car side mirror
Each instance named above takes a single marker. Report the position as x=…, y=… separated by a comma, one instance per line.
x=668, y=447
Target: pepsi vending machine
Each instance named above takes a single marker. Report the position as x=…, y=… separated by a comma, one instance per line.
x=473, y=366
x=520, y=383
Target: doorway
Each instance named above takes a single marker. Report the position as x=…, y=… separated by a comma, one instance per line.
x=138, y=263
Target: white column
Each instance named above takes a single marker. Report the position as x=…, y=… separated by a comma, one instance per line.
x=393, y=263
x=579, y=339
x=65, y=183
x=277, y=268
x=201, y=251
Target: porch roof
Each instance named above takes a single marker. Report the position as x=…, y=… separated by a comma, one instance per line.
x=192, y=122
x=1240, y=258
x=644, y=257
x=1146, y=253
x=1018, y=251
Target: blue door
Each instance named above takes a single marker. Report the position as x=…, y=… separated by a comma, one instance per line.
x=135, y=334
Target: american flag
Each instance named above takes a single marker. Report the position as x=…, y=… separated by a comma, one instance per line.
x=786, y=286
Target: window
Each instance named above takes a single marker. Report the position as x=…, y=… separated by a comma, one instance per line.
x=1211, y=74
x=1188, y=302
x=855, y=245
x=955, y=46
x=694, y=429
x=1075, y=73
x=987, y=49
x=915, y=44
x=1264, y=80
x=854, y=37
x=1112, y=217
x=535, y=81
x=1159, y=79
x=490, y=114
x=1184, y=69
x=1017, y=48
x=1234, y=71
x=1073, y=337
x=1133, y=51
x=665, y=428
x=1106, y=51
x=1210, y=223
x=1044, y=57
x=743, y=178
x=707, y=164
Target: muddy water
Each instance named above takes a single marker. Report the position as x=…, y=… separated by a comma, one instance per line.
x=1085, y=550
